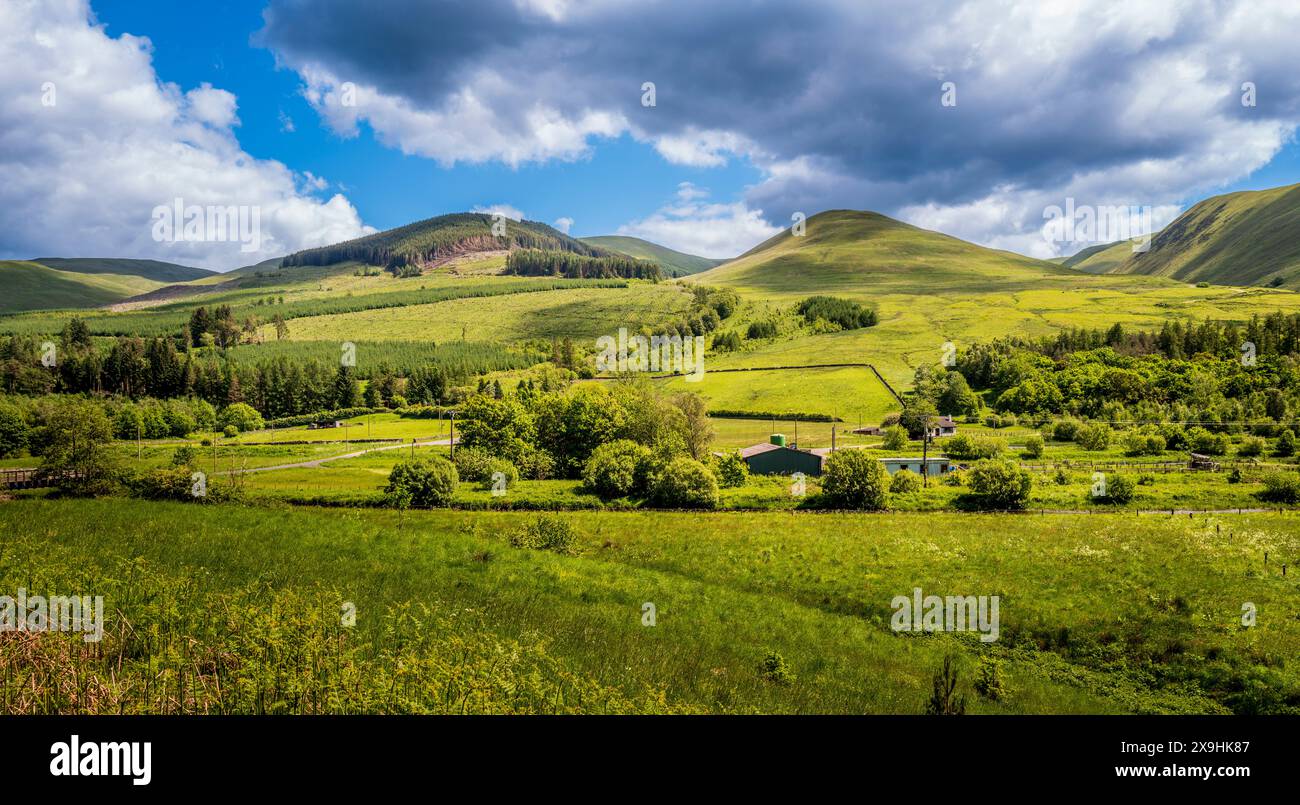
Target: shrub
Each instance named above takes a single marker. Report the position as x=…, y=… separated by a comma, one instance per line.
x=1034, y=446
x=1200, y=440
x=1234, y=475
x=1119, y=489
x=988, y=682
x=1146, y=479
x=473, y=464
x=421, y=483
x=895, y=437
x=970, y=448
x=1143, y=443
x=242, y=417
x=852, y=479
x=230, y=432
x=761, y=329
x=546, y=532
x=733, y=472
x=904, y=481
x=1251, y=446
x=1094, y=436
x=1061, y=478
x=1066, y=430
x=774, y=669
x=944, y=700
x=184, y=456
x=616, y=469
x=685, y=483
x=1285, y=444
x=1281, y=487
x=499, y=465
x=1000, y=484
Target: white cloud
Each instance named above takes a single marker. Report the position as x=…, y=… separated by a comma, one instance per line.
x=708, y=230
x=500, y=209
x=82, y=177
x=564, y=224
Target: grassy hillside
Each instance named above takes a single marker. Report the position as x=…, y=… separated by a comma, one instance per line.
x=149, y=269
x=930, y=289
x=32, y=286
x=845, y=250
x=674, y=263
x=1246, y=238
x=1099, y=259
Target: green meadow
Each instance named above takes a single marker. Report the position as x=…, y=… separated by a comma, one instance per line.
x=236, y=609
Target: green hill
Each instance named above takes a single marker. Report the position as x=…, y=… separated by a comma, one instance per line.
x=1099, y=259
x=32, y=286
x=155, y=270
x=673, y=263
x=1246, y=238
x=865, y=252
x=440, y=238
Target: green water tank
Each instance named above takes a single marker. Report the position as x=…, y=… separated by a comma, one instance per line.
x=778, y=439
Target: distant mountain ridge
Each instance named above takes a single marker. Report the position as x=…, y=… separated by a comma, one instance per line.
x=672, y=262
x=155, y=270
x=443, y=237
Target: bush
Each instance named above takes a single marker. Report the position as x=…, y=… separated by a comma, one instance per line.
x=1200, y=440
x=1034, y=446
x=230, y=432
x=774, y=669
x=1061, y=478
x=1251, y=446
x=904, y=481
x=184, y=456
x=895, y=437
x=761, y=329
x=685, y=483
x=546, y=532
x=473, y=464
x=1281, y=487
x=846, y=314
x=1094, y=436
x=1143, y=443
x=616, y=469
x=242, y=417
x=970, y=448
x=1066, y=430
x=988, y=682
x=499, y=465
x=1119, y=489
x=1000, y=484
x=1285, y=444
x=421, y=483
x=852, y=479
x=733, y=472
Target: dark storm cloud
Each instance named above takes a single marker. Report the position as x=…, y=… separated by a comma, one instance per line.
x=840, y=100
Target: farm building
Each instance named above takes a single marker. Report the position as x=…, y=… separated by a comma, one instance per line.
x=942, y=426
x=775, y=458
x=936, y=465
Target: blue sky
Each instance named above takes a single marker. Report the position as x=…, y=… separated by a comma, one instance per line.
x=620, y=181
x=765, y=109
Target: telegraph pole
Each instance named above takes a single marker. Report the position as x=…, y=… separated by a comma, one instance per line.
x=925, y=453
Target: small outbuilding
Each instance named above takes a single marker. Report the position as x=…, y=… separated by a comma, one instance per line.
x=935, y=465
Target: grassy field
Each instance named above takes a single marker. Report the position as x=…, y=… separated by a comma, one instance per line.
x=579, y=313
x=229, y=610
x=850, y=393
